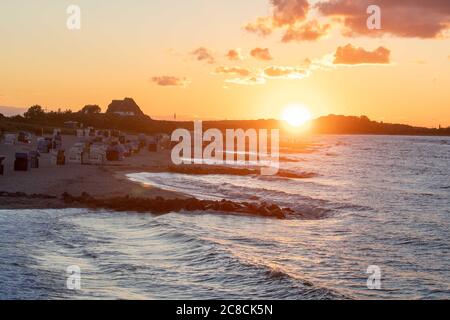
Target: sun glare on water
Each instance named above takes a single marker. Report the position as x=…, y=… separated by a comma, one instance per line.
x=296, y=116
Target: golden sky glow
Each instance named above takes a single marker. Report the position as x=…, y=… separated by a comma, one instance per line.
x=230, y=59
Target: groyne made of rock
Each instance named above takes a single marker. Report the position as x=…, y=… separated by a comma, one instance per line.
x=158, y=205
x=161, y=205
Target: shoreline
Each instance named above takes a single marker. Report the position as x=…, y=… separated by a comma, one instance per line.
x=108, y=187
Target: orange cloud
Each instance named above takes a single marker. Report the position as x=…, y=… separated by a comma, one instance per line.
x=234, y=55
x=261, y=54
x=284, y=13
x=262, y=27
x=169, y=81
x=203, y=54
x=288, y=12
x=351, y=55
x=286, y=72
x=237, y=71
x=308, y=31
x=248, y=81
x=412, y=18
x=401, y=18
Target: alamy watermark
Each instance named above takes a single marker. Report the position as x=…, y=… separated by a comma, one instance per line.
x=73, y=281
x=374, y=20
x=251, y=147
x=374, y=279
x=74, y=19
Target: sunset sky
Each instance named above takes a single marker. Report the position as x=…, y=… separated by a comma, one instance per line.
x=231, y=59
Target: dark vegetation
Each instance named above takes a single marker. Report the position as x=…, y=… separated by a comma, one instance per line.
x=37, y=120
x=334, y=124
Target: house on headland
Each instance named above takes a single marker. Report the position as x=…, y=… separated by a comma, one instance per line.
x=126, y=108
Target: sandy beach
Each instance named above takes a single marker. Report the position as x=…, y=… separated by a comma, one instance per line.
x=108, y=180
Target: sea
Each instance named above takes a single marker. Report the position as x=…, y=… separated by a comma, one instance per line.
x=373, y=223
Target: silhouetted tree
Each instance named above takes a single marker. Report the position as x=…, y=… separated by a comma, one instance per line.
x=34, y=112
x=91, y=109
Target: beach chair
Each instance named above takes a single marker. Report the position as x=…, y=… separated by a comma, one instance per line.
x=112, y=155
x=135, y=146
x=24, y=137
x=142, y=140
x=57, y=141
x=42, y=146
x=115, y=153
x=34, y=159
x=10, y=139
x=75, y=153
x=153, y=147
x=58, y=158
x=80, y=133
x=2, y=158
x=49, y=143
x=152, y=144
x=22, y=162
x=164, y=142
x=89, y=132
x=97, y=156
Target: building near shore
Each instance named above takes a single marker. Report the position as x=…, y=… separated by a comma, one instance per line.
x=125, y=108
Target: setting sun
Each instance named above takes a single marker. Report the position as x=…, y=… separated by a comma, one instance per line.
x=296, y=116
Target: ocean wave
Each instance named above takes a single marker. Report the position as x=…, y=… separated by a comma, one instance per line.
x=213, y=261
x=278, y=283
x=290, y=286
x=243, y=189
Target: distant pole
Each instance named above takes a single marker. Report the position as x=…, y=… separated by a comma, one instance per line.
x=174, y=116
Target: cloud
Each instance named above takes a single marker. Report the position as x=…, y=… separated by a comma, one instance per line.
x=203, y=54
x=258, y=77
x=291, y=16
x=284, y=13
x=236, y=71
x=262, y=27
x=288, y=12
x=234, y=55
x=411, y=18
x=399, y=18
x=309, y=31
x=244, y=76
x=169, y=81
x=261, y=54
x=286, y=72
x=248, y=81
x=351, y=55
